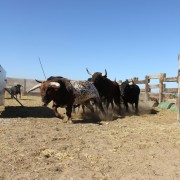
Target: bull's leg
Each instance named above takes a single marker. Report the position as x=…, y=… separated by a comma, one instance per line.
x=107, y=104
x=56, y=112
x=74, y=108
x=89, y=106
x=112, y=105
x=136, y=107
x=83, y=108
x=118, y=104
x=127, y=107
x=68, y=113
x=132, y=106
x=98, y=104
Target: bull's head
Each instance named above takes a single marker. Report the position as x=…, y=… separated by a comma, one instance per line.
x=124, y=86
x=97, y=75
x=47, y=89
x=91, y=74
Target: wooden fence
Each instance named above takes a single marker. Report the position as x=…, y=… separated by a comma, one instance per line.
x=162, y=92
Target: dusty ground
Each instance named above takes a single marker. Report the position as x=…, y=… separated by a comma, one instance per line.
x=36, y=145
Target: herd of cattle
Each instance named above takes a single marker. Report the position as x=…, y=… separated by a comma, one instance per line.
x=98, y=91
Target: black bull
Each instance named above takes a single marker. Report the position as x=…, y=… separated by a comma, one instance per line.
x=130, y=94
x=15, y=90
x=108, y=90
x=66, y=93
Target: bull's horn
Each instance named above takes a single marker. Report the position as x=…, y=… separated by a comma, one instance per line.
x=38, y=81
x=35, y=87
x=105, y=74
x=56, y=84
x=88, y=72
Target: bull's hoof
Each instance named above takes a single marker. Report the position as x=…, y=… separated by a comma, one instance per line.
x=60, y=116
x=67, y=120
x=70, y=121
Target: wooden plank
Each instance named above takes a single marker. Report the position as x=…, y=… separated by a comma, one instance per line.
x=140, y=82
x=153, y=86
x=142, y=90
x=156, y=76
x=171, y=90
x=171, y=79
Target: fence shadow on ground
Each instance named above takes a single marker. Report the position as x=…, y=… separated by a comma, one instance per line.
x=25, y=112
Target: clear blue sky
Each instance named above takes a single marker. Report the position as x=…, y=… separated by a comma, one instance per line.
x=127, y=37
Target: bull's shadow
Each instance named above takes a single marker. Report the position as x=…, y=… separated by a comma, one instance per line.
x=25, y=112
x=95, y=118
x=87, y=118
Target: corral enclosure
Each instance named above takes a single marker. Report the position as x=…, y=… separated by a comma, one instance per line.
x=161, y=90
x=36, y=145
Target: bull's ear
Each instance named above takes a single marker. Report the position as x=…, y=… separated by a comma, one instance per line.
x=55, y=85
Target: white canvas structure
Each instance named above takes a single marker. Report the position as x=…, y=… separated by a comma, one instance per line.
x=2, y=85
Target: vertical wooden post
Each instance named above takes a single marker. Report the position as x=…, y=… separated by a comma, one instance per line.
x=24, y=89
x=178, y=100
x=161, y=87
x=146, y=88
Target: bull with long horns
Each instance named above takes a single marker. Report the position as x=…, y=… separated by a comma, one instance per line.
x=65, y=93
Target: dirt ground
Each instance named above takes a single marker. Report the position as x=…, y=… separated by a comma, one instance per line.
x=36, y=145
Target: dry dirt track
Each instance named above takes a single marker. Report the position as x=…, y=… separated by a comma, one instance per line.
x=36, y=145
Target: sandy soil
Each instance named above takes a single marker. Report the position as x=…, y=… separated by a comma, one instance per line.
x=36, y=145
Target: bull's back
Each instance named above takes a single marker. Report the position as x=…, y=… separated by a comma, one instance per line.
x=83, y=91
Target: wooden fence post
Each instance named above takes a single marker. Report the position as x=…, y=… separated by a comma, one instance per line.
x=161, y=87
x=146, y=88
x=178, y=103
x=24, y=89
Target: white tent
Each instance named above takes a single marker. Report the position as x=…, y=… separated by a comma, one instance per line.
x=2, y=85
